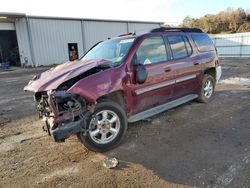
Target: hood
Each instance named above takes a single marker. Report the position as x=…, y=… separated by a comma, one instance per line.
x=52, y=78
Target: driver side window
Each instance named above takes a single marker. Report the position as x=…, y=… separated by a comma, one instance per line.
x=151, y=51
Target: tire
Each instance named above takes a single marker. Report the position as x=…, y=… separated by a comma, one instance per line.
x=111, y=123
x=206, y=95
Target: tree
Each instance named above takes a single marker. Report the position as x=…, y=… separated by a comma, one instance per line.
x=244, y=28
x=237, y=18
x=226, y=21
x=187, y=21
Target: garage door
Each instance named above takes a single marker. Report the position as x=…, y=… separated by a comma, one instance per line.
x=7, y=26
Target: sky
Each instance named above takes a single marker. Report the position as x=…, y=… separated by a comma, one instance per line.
x=168, y=11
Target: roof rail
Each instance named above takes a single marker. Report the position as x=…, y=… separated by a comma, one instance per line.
x=125, y=34
x=183, y=29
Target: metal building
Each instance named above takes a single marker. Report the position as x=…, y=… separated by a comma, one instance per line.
x=37, y=41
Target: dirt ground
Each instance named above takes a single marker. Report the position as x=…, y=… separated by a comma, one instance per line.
x=194, y=145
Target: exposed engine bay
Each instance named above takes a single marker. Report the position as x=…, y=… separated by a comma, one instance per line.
x=64, y=113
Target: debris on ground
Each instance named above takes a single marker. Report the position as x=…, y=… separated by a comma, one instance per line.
x=110, y=163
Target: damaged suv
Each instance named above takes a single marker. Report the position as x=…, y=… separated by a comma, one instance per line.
x=125, y=79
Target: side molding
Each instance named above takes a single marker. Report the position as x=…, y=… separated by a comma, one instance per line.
x=161, y=108
x=157, y=86
x=164, y=84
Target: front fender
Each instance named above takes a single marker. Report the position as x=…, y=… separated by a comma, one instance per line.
x=97, y=85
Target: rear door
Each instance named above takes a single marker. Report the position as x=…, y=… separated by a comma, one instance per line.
x=206, y=48
x=188, y=68
x=157, y=89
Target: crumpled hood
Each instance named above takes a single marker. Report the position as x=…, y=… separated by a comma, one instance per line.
x=53, y=77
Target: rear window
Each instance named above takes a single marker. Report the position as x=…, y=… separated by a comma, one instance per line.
x=180, y=46
x=203, y=42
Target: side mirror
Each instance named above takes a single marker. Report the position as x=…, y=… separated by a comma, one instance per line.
x=141, y=74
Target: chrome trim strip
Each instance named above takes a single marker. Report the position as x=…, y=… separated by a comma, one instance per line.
x=164, y=84
x=184, y=78
x=150, y=88
x=161, y=108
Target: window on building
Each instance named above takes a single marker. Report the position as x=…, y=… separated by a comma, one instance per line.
x=152, y=50
x=203, y=42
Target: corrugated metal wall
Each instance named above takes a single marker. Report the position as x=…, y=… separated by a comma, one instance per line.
x=96, y=31
x=141, y=27
x=45, y=40
x=50, y=39
x=23, y=41
x=233, y=45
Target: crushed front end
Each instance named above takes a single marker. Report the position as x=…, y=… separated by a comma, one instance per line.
x=64, y=113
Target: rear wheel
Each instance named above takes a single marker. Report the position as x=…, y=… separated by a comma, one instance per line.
x=107, y=129
x=207, y=89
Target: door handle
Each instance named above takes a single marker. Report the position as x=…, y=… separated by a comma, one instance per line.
x=168, y=69
x=196, y=63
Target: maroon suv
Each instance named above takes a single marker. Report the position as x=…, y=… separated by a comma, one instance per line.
x=123, y=80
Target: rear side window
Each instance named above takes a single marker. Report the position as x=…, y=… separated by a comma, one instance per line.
x=203, y=42
x=152, y=50
x=180, y=46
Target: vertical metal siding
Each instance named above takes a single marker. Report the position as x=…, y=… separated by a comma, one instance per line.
x=96, y=31
x=50, y=39
x=141, y=27
x=23, y=40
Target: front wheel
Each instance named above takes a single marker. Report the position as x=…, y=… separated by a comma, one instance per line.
x=107, y=129
x=207, y=89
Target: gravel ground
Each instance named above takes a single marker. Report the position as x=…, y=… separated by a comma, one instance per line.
x=194, y=145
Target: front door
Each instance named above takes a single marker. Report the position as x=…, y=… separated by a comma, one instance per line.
x=157, y=89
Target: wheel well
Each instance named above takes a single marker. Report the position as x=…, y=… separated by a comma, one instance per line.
x=211, y=72
x=117, y=96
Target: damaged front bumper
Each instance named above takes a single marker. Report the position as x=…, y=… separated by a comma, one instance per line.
x=64, y=131
x=64, y=114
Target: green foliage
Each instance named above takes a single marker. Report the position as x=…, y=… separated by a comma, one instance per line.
x=229, y=21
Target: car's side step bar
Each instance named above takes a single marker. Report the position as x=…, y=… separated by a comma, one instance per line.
x=161, y=108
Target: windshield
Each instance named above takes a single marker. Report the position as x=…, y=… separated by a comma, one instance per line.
x=111, y=50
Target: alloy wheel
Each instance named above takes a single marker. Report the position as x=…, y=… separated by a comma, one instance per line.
x=105, y=127
x=208, y=89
